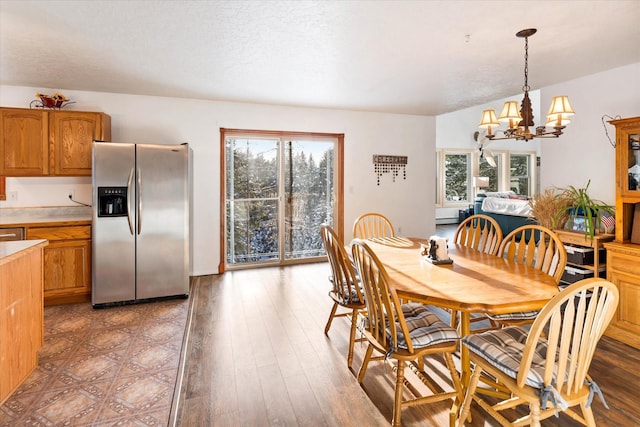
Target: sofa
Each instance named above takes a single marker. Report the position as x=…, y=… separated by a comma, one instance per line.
x=507, y=208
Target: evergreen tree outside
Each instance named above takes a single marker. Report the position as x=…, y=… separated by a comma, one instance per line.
x=456, y=177
x=520, y=172
x=485, y=169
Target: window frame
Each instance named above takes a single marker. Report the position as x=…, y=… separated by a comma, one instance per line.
x=442, y=191
x=503, y=160
x=283, y=135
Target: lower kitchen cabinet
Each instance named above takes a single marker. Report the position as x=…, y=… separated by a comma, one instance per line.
x=67, y=262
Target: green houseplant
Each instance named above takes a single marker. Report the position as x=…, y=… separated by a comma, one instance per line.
x=582, y=213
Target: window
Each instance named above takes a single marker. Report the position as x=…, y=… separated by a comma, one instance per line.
x=520, y=173
x=491, y=172
x=455, y=170
x=456, y=177
x=437, y=179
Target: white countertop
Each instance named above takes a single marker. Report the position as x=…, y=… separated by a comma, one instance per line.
x=10, y=248
x=10, y=216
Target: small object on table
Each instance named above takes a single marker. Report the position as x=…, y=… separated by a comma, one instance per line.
x=436, y=251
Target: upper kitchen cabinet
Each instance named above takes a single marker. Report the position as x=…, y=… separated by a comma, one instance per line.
x=24, y=148
x=71, y=134
x=50, y=142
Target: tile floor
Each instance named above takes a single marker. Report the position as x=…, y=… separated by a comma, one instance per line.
x=98, y=367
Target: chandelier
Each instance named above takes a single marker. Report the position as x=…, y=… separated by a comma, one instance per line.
x=520, y=121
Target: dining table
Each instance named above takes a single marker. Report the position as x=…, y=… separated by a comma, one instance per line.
x=475, y=282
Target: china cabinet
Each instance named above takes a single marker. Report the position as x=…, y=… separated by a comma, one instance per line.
x=623, y=254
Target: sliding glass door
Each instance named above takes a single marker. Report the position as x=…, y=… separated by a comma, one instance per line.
x=278, y=191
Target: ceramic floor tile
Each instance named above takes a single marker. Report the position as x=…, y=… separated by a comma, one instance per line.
x=139, y=393
x=108, y=340
x=112, y=366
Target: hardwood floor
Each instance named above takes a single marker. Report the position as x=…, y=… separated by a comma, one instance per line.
x=257, y=355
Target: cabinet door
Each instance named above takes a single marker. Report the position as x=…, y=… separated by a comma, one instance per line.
x=72, y=133
x=24, y=145
x=624, y=270
x=67, y=262
x=67, y=268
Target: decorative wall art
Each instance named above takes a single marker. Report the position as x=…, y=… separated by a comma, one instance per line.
x=390, y=164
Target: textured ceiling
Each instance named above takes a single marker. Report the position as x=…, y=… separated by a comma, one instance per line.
x=389, y=56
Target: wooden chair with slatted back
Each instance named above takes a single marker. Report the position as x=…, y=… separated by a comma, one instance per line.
x=345, y=289
x=479, y=232
x=483, y=233
x=537, y=247
x=548, y=372
x=404, y=333
x=371, y=225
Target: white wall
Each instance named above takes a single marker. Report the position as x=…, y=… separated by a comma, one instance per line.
x=584, y=152
x=143, y=119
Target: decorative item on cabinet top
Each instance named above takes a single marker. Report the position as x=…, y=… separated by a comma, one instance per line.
x=53, y=102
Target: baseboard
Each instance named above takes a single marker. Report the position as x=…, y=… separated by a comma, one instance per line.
x=443, y=221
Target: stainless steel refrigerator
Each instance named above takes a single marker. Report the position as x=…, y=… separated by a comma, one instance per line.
x=141, y=222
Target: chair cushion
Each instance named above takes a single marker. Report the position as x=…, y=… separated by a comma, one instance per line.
x=520, y=315
x=425, y=328
x=352, y=299
x=503, y=349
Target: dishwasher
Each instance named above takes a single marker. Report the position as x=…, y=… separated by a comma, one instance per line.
x=13, y=233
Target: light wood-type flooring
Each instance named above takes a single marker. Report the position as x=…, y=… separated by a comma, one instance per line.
x=257, y=355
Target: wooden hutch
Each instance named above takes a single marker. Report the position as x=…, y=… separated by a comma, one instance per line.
x=623, y=254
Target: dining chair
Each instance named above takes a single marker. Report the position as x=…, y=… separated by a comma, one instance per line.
x=548, y=363
x=372, y=224
x=537, y=247
x=345, y=288
x=483, y=233
x=479, y=232
x=403, y=332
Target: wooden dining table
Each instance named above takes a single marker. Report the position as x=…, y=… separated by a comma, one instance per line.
x=474, y=283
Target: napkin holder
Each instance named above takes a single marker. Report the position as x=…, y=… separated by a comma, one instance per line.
x=436, y=252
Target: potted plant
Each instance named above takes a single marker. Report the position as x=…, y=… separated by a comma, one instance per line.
x=581, y=211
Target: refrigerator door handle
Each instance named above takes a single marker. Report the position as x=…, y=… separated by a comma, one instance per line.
x=139, y=201
x=129, y=193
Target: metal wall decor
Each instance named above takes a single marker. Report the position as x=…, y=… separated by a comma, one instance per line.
x=390, y=164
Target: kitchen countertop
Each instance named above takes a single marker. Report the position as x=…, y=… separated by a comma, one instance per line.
x=9, y=249
x=24, y=216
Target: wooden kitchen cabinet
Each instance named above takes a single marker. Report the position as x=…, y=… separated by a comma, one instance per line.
x=67, y=262
x=24, y=148
x=49, y=142
x=71, y=134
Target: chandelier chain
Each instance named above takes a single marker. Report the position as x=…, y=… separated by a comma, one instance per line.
x=526, y=87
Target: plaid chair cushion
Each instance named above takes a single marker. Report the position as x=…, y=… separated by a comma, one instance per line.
x=425, y=328
x=353, y=298
x=503, y=349
x=521, y=315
